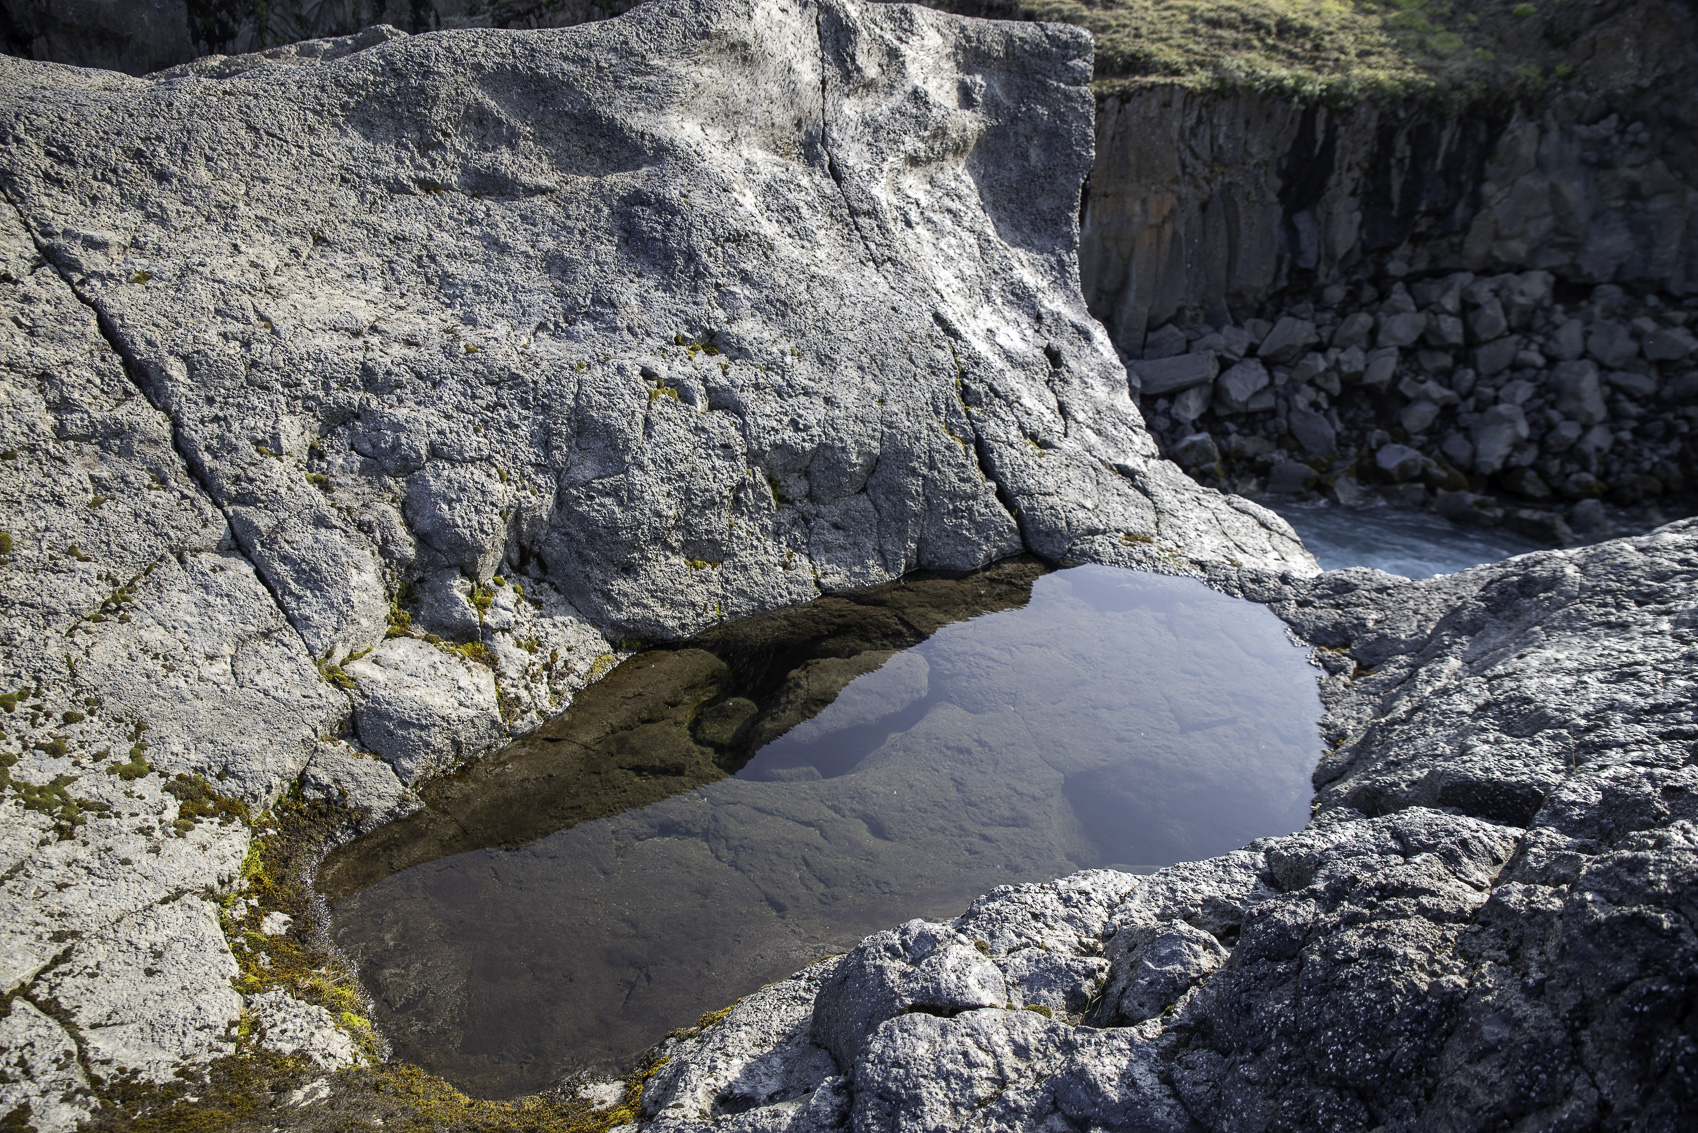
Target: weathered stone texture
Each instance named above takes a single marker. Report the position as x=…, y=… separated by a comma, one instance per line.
x=136, y=646
x=361, y=393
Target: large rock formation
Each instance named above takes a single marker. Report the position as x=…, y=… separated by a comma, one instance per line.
x=350, y=383
x=1488, y=924
x=360, y=394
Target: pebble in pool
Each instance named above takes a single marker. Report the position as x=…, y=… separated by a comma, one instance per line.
x=1116, y=719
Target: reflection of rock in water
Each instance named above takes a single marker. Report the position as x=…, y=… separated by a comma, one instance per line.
x=1117, y=717
x=674, y=718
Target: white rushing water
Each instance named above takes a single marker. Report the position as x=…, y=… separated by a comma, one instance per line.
x=1415, y=544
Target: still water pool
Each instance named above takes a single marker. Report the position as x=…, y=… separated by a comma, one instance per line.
x=711, y=817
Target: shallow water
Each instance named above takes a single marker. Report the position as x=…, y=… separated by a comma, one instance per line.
x=1415, y=544
x=1114, y=719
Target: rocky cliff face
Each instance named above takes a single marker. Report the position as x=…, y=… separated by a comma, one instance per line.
x=1204, y=205
x=1499, y=291
x=364, y=393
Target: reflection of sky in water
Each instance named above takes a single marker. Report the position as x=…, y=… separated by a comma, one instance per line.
x=1415, y=544
x=1120, y=719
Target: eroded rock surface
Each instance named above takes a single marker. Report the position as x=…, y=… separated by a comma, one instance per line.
x=1488, y=923
x=372, y=375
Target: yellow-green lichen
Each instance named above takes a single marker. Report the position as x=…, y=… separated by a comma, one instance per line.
x=482, y=598
x=331, y=673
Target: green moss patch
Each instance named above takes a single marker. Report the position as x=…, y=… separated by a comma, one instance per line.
x=52, y=798
x=197, y=802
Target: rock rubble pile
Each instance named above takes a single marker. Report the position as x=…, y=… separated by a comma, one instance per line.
x=1505, y=399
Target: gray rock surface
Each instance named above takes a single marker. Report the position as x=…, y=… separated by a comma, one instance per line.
x=139, y=36
x=331, y=406
x=1487, y=924
x=290, y=1027
x=138, y=646
x=707, y=423
x=361, y=780
x=721, y=306
x=422, y=710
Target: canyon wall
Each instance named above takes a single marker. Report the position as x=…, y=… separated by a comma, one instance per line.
x=1205, y=204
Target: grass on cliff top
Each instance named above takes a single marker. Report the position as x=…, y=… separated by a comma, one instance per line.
x=1318, y=48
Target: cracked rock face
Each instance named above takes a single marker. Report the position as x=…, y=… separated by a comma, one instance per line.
x=367, y=389
x=137, y=647
x=1428, y=954
x=688, y=314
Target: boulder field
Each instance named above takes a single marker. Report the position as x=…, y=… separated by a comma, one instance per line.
x=366, y=398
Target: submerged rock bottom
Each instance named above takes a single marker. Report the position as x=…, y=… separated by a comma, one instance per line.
x=717, y=814
x=1489, y=922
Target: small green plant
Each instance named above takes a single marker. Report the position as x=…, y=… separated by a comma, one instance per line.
x=475, y=651
x=51, y=799
x=134, y=769
x=5, y=542
x=331, y=673
x=1445, y=43
x=197, y=802
x=1522, y=11
x=483, y=597
x=76, y=552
